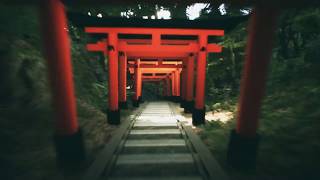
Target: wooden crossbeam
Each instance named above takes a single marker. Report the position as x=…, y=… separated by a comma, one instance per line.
x=154, y=31
x=158, y=66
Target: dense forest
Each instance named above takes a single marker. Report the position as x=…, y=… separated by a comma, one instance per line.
x=289, y=118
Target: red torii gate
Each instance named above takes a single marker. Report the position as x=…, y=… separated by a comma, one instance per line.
x=157, y=79
x=161, y=66
x=155, y=70
x=154, y=47
x=68, y=137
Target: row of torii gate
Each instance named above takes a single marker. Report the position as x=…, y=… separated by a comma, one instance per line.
x=68, y=137
x=171, y=61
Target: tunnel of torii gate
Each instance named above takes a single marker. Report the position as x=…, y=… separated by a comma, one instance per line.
x=157, y=71
x=68, y=137
x=119, y=50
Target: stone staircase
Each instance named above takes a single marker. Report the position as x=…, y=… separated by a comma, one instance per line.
x=154, y=149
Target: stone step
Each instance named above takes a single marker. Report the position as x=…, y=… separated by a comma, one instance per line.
x=141, y=125
x=158, y=178
x=155, y=146
x=155, y=134
x=157, y=112
x=154, y=123
x=155, y=143
x=155, y=131
x=155, y=150
x=154, y=165
x=156, y=120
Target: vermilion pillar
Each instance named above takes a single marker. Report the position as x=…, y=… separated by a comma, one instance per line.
x=140, y=88
x=173, y=87
x=123, y=81
x=68, y=137
x=113, y=111
x=183, y=84
x=177, y=83
x=140, y=85
x=137, y=82
x=198, y=114
x=244, y=139
x=189, y=84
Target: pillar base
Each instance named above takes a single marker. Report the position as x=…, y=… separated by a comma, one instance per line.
x=123, y=105
x=198, y=116
x=242, y=151
x=188, y=106
x=182, y=103
x=135, y=103
x=114, y=117
x=176, y=99
x=70, y=149
x=141, y=100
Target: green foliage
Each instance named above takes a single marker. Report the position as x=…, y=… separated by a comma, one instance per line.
x=224, y=69
x=26, y=117
x=290, y=114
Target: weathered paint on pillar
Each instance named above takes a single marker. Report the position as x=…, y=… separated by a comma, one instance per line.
x=122, y=79
x=244, y=140
x=68, y=137
x=113, y=71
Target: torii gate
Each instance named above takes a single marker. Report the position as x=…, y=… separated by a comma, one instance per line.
x=155, y=47
x=157, y=78
x=174, y=70
x=244, y=139
x=160, y=66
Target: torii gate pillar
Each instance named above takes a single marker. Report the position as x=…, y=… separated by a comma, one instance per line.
x=183, y=83
x=243, y=145
x=189, y=84
x=173, y=88
x=123, y=81
x=177, y=84
x=137, y=84
x=140, y=88
x=113, y=111
x=198, y=114
x=68, y=137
